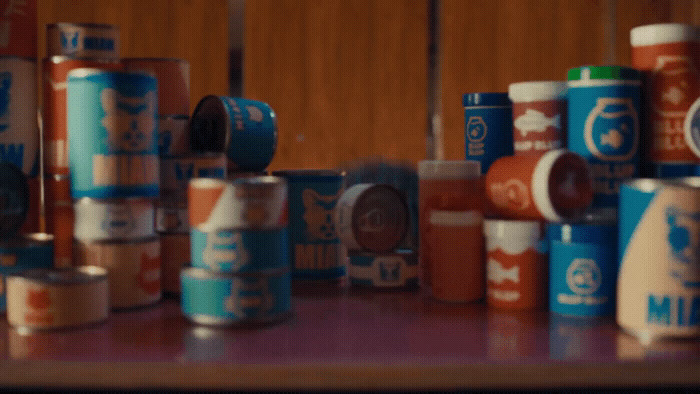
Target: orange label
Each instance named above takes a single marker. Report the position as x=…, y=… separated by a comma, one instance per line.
x=516, y=281
x=201, y=201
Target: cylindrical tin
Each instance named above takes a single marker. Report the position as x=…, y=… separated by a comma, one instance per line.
x=582, y=268
x=18, y=28
x=171, y=217
x=539, y=116
x=488, y=129
x=173, y=77
x=658, y=287
x=173, y=135
x=59, y=218
x=603, y=126
x=47, y=299
x=246, y=130
x=22, y=253
x=19, y=131
x=54, y=111
x=516, y=264
x=14, y=199
x=88, y=40
x=397, y=269
x=666, y=53
x=176, y=172
x=175, y=255
x=554, y=186
x=371, y=217
x=113, y=219
x=314, y=247
x=113, y=149
x=223, y=299
x=691, y=128
x=134, y=269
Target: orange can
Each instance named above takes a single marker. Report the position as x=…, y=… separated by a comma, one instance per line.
x=18, y=28
x=59, y=218
x=175, y=254
x=173, y=77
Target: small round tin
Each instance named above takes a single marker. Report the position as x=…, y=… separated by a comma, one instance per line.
x=371, y=217
x=224, y=299
x=89, y=40
x=176, y=172
x=175, y=255
x=22, y=253
x=393, y=269
x=240, y=251
x=49, y=299
x=113, y=219
x=173, y=77
x=14, y=199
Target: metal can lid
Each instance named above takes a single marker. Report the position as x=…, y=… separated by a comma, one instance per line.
x=456, y=218
x=603, y=72
x=662, y=33
x=14, y=199
x=485, y=99
x=537, y=91
x=380, y=216
x=582, y=233
x=64, y=276
x=449, y=169
x=496, y=228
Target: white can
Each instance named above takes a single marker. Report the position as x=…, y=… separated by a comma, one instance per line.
x=113, y=219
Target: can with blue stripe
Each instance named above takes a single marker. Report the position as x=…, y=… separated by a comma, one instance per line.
x=398, y=269
x=488, y=127
x=112, y=123
x=22, y=253
x=603, y=126
x=240, y=250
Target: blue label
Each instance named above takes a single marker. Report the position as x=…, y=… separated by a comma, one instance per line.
x=5, y=85
x=253, y=139
x=633, y=204
x=239, y=250
x=671, y=310
x=488, y=133
x=15, y=259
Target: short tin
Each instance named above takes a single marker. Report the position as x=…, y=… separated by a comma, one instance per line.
x=82, y=40
x=176, y=171
x=14, y=199
x=240, y=250
x=24, y=252
x=173, y=77
x=113, y=219
x=389, y=269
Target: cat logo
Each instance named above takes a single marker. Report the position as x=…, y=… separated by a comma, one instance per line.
x=250, y=297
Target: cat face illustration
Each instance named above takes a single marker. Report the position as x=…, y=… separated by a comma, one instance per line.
x=129, y=121
x=318, y=215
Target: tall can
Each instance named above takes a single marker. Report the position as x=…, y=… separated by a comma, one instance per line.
x=603, y=116
x=90, y=40
x=539, y=115
x=18, y=28
x=113, y=149
x=658, y=287
x=488, y=128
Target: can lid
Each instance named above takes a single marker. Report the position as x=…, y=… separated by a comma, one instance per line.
x=485, y=99
x=449, y=169
x=14, y=199
x=529, y=229
x=537, y=91
x=603, y=72
x=63, y=276
x=456, y=218
x=582, y=233
x=562, y=185
x=662, y=33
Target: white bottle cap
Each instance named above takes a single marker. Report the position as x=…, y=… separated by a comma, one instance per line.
x=449, y=169
x=456, y=218
x=662, y=33
x=522, y=92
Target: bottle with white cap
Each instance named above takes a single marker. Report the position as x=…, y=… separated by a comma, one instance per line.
x=539, y=115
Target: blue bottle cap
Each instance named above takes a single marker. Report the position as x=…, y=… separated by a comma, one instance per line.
x=582, y=233
x=485, y=99
x=14, y=199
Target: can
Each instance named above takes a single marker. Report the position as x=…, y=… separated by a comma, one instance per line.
x=225, y=299
x=41, y=299
x=173, y=135
x=176, y=172
x=19, y=131
x=658, y=287
x=603, y=126
x=246, y=130
x=516, y=264
x=113, y=149
x=539, y=116
x=59, y=218
x=14, y=199
x=86, y=40
x=371, y=217
x=553, y=186
x=175, y=255
x=31, y=222
x=171, y=217
x=54, y=110
x=396, y=269
x=21, y=253
x=173, y=77
x=691, y=127
x=113, y=219
x=488, y=128
x=582, y=268
x=314, y=247
x=18, y=22
x=134, y=269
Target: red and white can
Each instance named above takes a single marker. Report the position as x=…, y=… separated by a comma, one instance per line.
x=18, y=28
x=59, y=218
x=113, y=219
x=175, y=255
x=539, y=115
x=85, y=40
x=173, y=77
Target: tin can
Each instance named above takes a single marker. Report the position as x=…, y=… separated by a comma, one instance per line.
x=658, y=287
x=173, y=77
x=691, y=127
x=134, y=269
x=21, y=253
x=554, y=186
x=225, y=299
x=18, y=20
x=176, y=172
x=488, y=129
x=246, y=130
x=85, y=40
x=59, y=218
x=516, y=264
x=582, y=268
x=603, y=113
x=14, y=199
x=371, y=217
x=47, y=299
x=175, y=255
x=173, y=135
x=113, y=149
x=397, y=269
x=113, y=219
x=539, y=116
x=54, y=111
x=171, y=217
x=19, y=131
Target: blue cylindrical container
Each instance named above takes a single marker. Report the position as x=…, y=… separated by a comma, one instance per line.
x=582, y=268
x=22, y=253
x=112, y=122
x=603, y=126
x=488, y=127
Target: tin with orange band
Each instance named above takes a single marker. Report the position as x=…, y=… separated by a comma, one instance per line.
x=173, y=77
x=59, y=218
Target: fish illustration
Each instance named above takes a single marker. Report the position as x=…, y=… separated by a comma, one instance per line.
x=614, y=137
x=673, y=95
x=496, y=273
x=536, y=121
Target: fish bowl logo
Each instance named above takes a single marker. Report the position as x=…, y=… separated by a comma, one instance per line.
x=675, y=84
x=476, y=129
x=683, y=233
x=5, y=85
x=583, y=276
x=611, y=131
x=69, y=41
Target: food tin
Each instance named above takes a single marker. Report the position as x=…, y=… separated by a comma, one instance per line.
x=85, y=40
x=113, y=150
x=48, y=298
x=14, y=199
x=603, y=127
x=173, y=135
x=22, y=253
x=397, y=269
x=59, y=218
x=658, y=287
x=176, y=172
x=539, y=116
x=246, y=130
x=488, y=129
x=18, y=36
x=171, y=217
x=224, y=299
x=113, y=219
x=554, y=185
x=175, y=255
x=173, y=77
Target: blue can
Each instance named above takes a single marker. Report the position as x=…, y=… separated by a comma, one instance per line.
x=246, y=130
x=314, y=246
x=112, y=123
x=14, y=199
x=582, y=268
x=22, y=253
x=239, y=251
x=488, y=128
x=215, y=298
x=603, y=126
x=398, y=269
